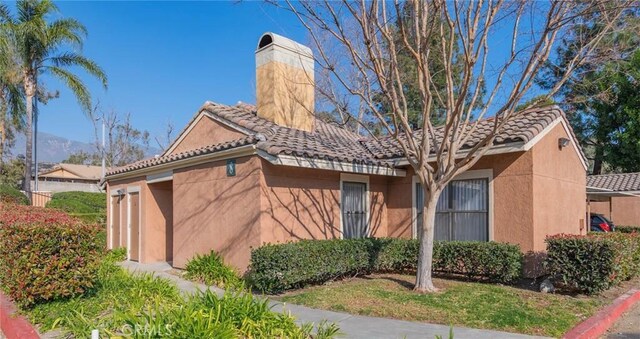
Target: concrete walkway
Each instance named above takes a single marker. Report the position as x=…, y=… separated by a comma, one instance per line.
x=352, y=326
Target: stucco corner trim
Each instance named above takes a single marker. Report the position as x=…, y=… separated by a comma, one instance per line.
x=331, y=165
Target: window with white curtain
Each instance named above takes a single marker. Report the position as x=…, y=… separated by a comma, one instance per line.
x=462, y=212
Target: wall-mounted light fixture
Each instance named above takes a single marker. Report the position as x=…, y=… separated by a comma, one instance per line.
x=231, y=167
x=120, y=191
x=563, y=142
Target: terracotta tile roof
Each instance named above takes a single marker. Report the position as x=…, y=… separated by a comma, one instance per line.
x=615, y=182
x=523, y=128
x=184, y=155
x=330, y=141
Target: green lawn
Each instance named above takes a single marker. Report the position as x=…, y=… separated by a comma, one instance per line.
x=458, y=303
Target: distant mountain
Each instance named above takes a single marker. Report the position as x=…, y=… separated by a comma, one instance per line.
x=52, y=148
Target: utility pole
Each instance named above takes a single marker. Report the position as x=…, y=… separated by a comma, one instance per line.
x=104, y=167
x=35, y=142
x=102, y=152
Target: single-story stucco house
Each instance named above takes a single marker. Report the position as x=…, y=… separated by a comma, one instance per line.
x=616, y=196
x=240, y=176
x=70, y=177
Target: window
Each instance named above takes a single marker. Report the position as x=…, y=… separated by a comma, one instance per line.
x=462, y=212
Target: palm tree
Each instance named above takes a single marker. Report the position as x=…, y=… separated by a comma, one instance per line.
x=46, y=47
x=11, y=98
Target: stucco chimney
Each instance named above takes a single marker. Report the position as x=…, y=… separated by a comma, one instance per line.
x=284, y=82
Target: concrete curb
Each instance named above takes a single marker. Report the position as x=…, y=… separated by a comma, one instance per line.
x=13, y=325
x=600, y=322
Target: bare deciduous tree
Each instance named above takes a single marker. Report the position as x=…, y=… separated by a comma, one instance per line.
x=503, y=46
x=166, y=138
x=124, y=143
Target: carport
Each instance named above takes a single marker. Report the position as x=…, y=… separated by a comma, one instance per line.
x=617, y=196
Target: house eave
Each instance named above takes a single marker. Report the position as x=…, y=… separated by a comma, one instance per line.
x=500, y=149
x=331, y=165
x=241, y=151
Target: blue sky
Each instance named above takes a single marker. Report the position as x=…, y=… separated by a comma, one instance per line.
x=165, y=59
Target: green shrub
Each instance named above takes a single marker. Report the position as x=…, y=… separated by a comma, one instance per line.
x=275, y=268
x=88, y=206
x=395, y=255
x=628, y=229
x=493, y=261
x=210, y=269
x=46, y=261
x=594, y=262
x=11, y=195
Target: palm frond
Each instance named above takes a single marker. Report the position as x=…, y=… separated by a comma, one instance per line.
x=5, y=14
x=73, y=59
x=66, y=31
x=16, y=103
x=75, y=84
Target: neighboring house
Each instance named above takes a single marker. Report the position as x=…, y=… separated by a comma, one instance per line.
x=69, y=177
x=241, y=176
x=616, y=196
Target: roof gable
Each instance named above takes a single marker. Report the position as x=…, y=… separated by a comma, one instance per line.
x=86, y=172
x=203, y=131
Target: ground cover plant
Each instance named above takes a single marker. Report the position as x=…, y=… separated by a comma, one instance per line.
x=210, y=269
x=143, y=306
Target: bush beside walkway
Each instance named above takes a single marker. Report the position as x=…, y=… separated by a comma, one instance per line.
x=279, y=267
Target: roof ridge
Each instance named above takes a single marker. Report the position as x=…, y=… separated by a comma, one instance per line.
x=612, y=174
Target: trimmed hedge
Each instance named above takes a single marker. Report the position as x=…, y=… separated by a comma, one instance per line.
x=275, y=268
x=10, y=195
x=44, y=258
x=595, y=262
x=88, y=206
x=628, y=229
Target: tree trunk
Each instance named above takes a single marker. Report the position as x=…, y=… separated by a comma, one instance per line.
x=3, y=128
x=597, y=160
x=424, y=282
x=29, y=88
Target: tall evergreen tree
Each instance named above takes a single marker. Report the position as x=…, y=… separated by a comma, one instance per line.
x=599, y=99
x=11, y=98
